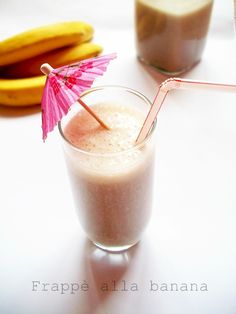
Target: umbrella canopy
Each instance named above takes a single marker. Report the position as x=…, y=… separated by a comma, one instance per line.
x=64, y=86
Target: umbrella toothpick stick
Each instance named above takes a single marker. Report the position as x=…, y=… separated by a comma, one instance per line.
x=88, y=109
x=47, y=69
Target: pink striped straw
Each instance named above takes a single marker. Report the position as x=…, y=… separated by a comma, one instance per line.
x=176, y=83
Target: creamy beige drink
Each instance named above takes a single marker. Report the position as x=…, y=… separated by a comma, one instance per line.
x=111, y=178
x=171, y=34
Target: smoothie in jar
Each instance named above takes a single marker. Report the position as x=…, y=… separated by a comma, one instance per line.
x=171, y=34
x=111, y=177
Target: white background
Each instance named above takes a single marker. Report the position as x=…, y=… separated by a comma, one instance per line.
x=191, y=237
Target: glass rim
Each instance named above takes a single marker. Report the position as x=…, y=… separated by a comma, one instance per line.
x=136, y=146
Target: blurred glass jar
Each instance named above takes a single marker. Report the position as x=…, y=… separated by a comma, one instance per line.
x=171, y=34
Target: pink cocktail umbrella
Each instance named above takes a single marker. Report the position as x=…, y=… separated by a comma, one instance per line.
x=64, y=86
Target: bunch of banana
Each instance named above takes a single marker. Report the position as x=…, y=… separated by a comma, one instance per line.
x=21, y=56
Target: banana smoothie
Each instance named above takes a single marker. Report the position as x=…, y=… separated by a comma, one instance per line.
x=111, y=178
x=171, y=34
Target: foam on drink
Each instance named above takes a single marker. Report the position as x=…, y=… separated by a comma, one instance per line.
x=85, y=133
x=176, y=7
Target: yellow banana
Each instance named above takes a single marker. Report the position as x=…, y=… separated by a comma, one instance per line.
x=42, y=39
x=21, y=92
x=55, y=58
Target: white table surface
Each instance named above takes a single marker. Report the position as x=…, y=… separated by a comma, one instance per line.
x=191, y=236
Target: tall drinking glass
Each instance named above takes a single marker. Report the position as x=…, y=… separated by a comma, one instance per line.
x=112, y=190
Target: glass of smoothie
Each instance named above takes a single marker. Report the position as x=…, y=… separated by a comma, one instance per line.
x=111, y=177
x=171, y=34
